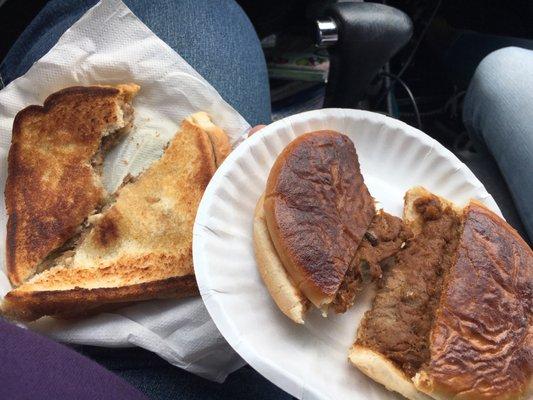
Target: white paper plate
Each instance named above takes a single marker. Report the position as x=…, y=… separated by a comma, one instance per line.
x=309, y=361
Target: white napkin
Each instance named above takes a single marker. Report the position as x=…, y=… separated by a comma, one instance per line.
x=111, y=45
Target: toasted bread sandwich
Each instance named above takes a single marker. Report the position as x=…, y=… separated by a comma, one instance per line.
x=452, y=319
x=310, y=223
x=53, y=181
x=140, y=246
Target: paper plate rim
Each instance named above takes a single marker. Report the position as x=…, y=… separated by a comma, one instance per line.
x=274, y=373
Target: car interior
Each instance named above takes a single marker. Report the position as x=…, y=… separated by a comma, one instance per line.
x=407, y=59
x=401, y=58
x=417, y=41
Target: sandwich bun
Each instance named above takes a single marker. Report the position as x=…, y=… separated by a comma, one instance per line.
x=377, y=367
x=287, y=296
x=478, y=341
x=317, y=209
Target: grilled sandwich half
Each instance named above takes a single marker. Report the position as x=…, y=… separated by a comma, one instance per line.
x=452, y=318
x=54, y=168
x=140, y=246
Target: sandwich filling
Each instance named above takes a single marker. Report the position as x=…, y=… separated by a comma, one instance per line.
x=384, y=238
x=399, y=322
x=113, y=134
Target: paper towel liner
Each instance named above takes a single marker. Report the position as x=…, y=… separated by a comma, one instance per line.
x=109, y=44
x=309, y=361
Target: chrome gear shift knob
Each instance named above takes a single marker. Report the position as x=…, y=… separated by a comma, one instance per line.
x=326, y=32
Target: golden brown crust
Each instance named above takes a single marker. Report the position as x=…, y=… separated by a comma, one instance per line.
x=482, y=338
x=317, y=209
x=78, y=302
x=137, y=249
x=51, y=186
x=219, y=140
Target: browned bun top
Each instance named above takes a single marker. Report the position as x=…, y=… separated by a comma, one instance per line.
x=482, y=338
x=317, y=208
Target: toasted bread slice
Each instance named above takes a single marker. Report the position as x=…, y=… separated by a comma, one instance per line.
x=137, y=249
x=53, y=181
x=221, y=144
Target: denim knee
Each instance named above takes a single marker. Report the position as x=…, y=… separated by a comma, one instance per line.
x=496, y=81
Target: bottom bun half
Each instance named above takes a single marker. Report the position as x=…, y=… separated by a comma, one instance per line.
x=380, y=369
x=286, y=295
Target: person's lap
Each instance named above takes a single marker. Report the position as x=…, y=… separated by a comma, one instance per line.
x=214, y=36
x=498, y=113
x=160, y=380
x=219, y=41
x=35, y=367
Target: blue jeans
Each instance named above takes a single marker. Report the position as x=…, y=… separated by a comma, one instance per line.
x=498, y=113
x=214, y=36
x=218, y=40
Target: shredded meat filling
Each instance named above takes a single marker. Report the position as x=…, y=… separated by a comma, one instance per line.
x=399, y=323
x=383, y=239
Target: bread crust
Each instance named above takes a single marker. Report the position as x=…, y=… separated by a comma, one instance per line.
x=137, y=249
x=51, y=186
x=380, y=369
x=286, y=295
x=79, y=302
x=219, y=140
x=482, y=337
x=317, y=209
